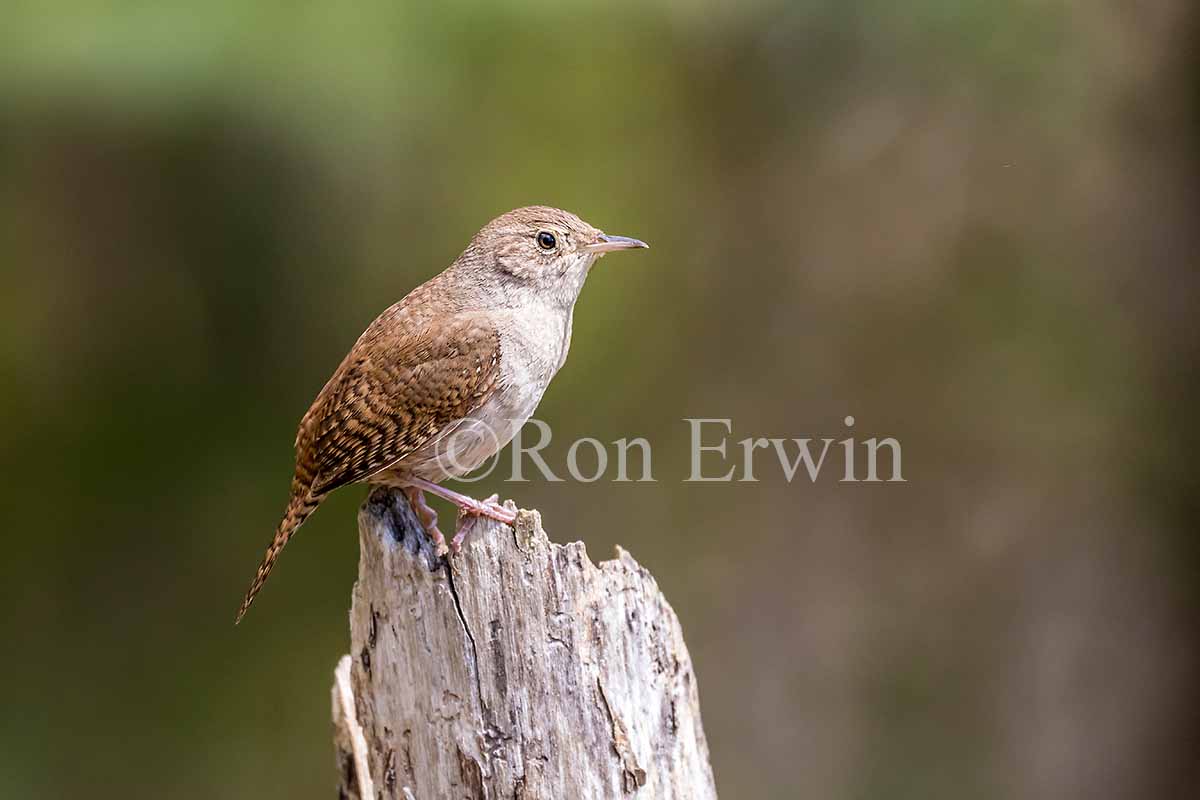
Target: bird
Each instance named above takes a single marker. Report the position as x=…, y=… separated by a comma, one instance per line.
x=445, y=378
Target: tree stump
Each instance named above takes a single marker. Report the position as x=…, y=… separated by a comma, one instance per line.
x=517, y=669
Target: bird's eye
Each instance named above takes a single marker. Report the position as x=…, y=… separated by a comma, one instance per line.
x=546, y=240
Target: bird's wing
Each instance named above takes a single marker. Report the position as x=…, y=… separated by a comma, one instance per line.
x=399, y=388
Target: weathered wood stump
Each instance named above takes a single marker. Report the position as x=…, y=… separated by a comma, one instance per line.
x=517, y=669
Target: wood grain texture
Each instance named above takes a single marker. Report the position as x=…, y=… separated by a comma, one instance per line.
x=521, y=670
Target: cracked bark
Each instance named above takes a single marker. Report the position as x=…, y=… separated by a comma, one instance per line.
x=518, y=670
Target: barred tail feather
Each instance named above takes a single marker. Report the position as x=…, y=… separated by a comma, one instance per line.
x=302, y=504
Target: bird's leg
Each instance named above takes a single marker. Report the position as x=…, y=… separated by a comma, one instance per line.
x=468, y=506
x=490, y=507
x=428, y=517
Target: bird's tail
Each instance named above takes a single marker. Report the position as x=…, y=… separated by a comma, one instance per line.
x=303, y=503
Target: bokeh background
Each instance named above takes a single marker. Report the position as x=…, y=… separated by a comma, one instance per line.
x=971, y=225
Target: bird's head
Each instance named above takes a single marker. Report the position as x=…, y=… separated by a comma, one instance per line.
x=544, y=250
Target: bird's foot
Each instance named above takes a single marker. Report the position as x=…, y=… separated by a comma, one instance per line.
x=428, y=518
x=489, y=507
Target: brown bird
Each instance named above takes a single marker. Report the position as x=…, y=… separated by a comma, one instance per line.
x=443, y=379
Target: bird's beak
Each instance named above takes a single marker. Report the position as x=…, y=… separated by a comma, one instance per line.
x=607, y=244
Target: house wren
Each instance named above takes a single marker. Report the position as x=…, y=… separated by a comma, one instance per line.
x=443, y=379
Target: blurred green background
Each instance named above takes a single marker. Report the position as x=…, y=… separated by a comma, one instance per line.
x=971, y=225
